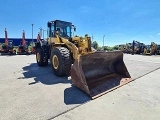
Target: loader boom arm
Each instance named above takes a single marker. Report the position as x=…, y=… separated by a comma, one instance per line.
x=71, y=46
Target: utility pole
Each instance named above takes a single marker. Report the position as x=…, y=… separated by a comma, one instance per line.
x=103, y=41
x=40, y=31
x=92, y=37
x=32, y=33
x=133, y=44
x=43, y=34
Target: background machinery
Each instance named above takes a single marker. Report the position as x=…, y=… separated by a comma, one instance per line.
x=23, y=47
x=7, y=47
x=137, y=47
x=32, y=47
x=125, y=48
x=122, y=47
x=158, y=49
x=150, y=49
x=91, y=71
x=128, y=48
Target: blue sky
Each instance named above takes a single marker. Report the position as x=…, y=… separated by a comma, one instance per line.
x=120, y=21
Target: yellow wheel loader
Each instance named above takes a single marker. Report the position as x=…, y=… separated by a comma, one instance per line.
x=137, y=47
x=122, y=47
x=125, y=48
x=128, y=48
x=96, y=73
x=150, y=49
x=158, y=49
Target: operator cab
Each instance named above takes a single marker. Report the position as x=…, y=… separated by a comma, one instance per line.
x=148, y=47
x=64, y=29
x=10, y=44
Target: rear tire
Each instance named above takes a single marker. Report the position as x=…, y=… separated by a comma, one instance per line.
x=61, y=61
x=41, y=58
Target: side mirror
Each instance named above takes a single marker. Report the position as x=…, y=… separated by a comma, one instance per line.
x=74, y=28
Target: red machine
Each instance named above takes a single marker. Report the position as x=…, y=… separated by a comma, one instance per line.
x=7, y=47
x=23, y=47
x=38, y=37
x=33, y=51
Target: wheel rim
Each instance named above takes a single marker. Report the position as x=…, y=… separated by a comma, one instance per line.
x=55, y=62
x=38, y=57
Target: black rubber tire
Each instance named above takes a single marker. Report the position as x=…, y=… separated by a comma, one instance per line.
x=42, y=61
x=154, y=53
x=64, y=60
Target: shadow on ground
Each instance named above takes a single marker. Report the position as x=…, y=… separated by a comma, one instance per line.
x=72, y=95
x=42, y=74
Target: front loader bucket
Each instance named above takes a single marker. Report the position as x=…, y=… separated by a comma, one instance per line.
x=99, y=72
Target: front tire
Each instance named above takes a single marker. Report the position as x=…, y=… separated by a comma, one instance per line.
x=61, y=61
x=41, y=58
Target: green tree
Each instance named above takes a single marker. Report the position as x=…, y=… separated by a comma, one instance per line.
x=108, y=48
x=95, y=45
x=99, y=48
x=115, y=47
